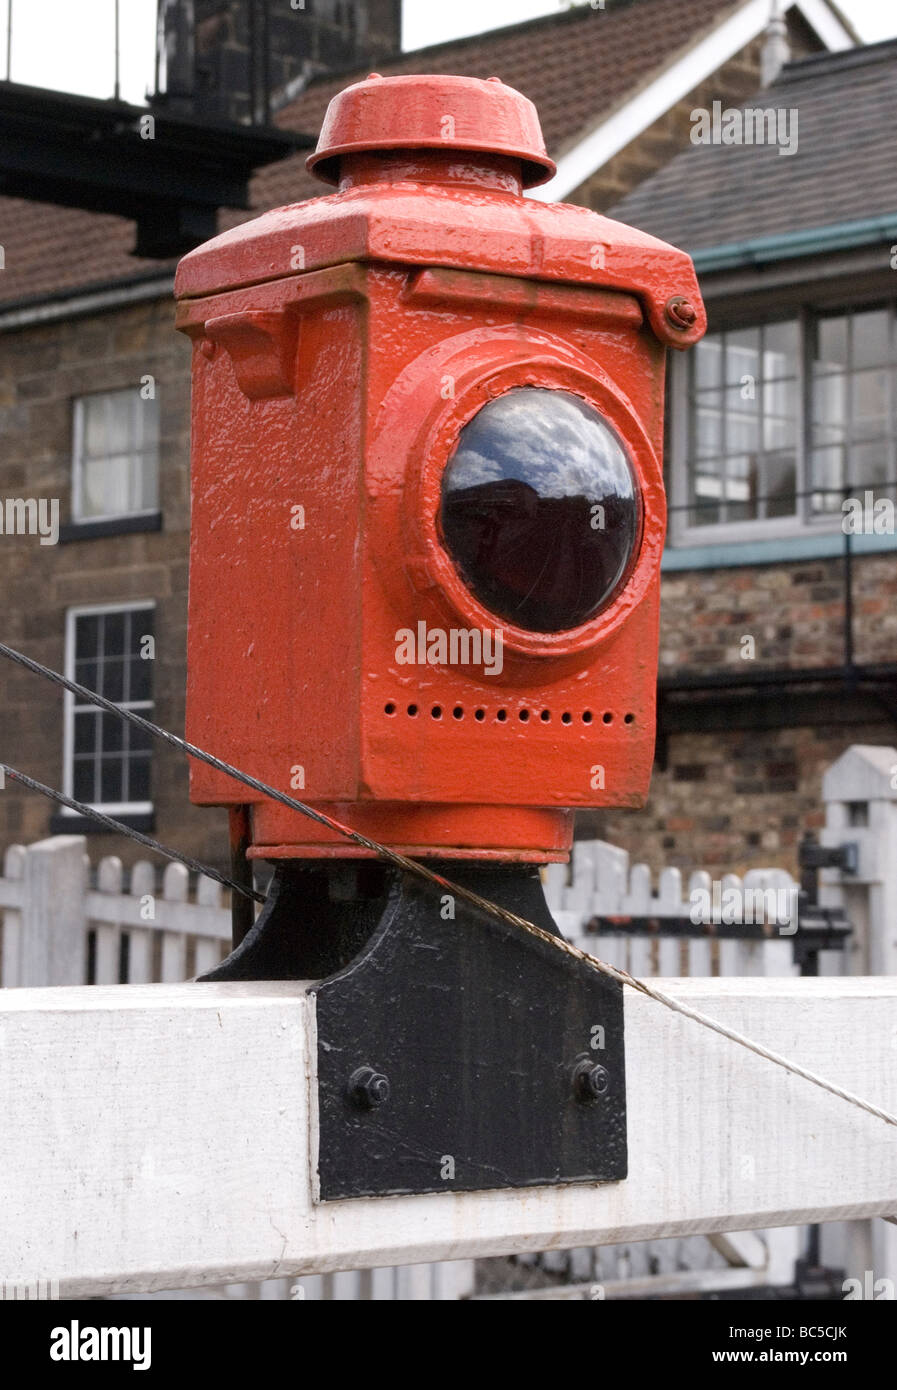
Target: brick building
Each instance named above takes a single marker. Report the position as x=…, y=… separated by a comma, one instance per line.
x=779, y=631
x=94, y=397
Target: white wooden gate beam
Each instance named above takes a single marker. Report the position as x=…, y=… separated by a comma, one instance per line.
x=155, y=1137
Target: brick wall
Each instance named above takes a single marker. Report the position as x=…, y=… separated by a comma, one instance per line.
x=733, y=801
x=794, y=612
x=741, y=799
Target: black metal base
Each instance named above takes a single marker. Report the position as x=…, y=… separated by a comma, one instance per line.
x=454, y=1052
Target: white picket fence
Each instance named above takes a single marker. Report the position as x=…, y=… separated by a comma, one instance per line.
x=55, y=925
x=57, y=929
x=600, y=882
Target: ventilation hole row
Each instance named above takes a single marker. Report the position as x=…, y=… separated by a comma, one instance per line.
x=501, y=715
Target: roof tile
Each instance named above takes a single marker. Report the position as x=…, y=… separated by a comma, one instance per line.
x=844, y=169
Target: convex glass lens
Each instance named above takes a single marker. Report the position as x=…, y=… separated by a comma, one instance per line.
x=540, y=511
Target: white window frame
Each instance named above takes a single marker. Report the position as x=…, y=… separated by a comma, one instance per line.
x=683, y=533
x=68, y=722
x=78, y=428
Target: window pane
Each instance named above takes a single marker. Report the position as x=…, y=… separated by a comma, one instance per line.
x=86, y=732
x=120, y=421
x=708, y=361
x=140, y=667
x=103, y=745
x=741, y=487
x=114, y=679
x=870, y=338
x=92, y=499
x=139, y=778
x=742, y=420
x=112, y=733
x=778, y=432
x=87, y=635
x=117, y=454
x=743, y=438
x=742, y=354
x=780, y=349
x=707, y=489
x=870, y=465
x=781, y=398
x=709, y=424
x=780, y=484
x=747, y=462
x=95, y=415
x=114, y=627
x=831, y=352
x=140, y=679
x=87, y=673
x=139, y=740
x=146, y=482
x=870, y=405
x=830, y=401
x=83, y=779
x=112, y=786
x=827, y=474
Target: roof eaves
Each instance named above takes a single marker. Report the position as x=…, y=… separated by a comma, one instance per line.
x=810, y=69
x=703, y=54
x=839, y=17
x=85, y=299
x=808, y=241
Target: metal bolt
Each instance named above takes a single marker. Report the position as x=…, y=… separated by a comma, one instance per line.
x=368, y=1088
x=680, y=312
x=590, y=1080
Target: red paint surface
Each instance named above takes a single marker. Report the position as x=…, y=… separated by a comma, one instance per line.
x=324, y=338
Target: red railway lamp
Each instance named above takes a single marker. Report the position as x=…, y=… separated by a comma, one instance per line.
x=428, y=515
x=428, y=508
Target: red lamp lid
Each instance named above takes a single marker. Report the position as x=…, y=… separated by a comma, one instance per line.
x=435, y=113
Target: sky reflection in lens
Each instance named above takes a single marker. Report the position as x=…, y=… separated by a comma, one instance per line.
x=540, y=511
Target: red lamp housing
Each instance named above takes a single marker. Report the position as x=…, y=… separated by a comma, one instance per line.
x=428, y=505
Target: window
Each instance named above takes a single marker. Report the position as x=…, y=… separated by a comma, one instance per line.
x=784, y=420
x=116, y=455
x=853, y=409
x=107, y=760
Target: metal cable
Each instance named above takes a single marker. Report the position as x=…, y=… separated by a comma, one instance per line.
x=420, y=870
x=110, y=824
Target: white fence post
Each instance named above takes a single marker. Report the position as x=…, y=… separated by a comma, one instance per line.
x=11, y=913
x=52, y=945
x=140, y=939
x=860, y=795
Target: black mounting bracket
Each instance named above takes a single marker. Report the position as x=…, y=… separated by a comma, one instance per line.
x=455, y=1052
x=815, y=856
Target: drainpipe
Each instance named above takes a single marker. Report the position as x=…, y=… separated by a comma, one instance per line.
x=776, y=50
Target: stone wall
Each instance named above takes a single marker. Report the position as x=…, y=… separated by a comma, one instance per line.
x=41, y=370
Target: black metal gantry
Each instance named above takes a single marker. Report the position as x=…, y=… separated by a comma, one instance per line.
x=170, y=177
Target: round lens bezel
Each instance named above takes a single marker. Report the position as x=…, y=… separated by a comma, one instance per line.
x=475, y=381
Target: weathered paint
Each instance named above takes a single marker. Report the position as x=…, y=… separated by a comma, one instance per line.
x=339, y=347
